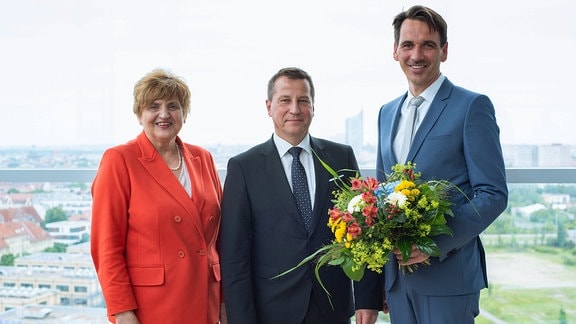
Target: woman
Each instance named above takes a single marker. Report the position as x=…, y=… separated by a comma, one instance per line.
x=156, y=216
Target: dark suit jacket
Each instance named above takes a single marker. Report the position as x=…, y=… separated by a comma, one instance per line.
x=262, y=235
x=458, y=140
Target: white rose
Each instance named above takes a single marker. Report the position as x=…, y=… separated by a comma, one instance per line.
x=397, y=198
x=355, y=205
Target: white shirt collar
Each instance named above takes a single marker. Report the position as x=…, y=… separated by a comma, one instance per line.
x=430, y=92
x=283, y=146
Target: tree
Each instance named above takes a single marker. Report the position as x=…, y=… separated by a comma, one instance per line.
x=562, y=319
x=7, y=259
x=55, y=214
x=544, y=216
x=58, y=248
x=561, y=234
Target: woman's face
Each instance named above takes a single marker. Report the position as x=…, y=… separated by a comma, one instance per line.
x=162, y=120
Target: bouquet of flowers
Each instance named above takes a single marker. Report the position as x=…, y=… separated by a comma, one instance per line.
x=370, y=219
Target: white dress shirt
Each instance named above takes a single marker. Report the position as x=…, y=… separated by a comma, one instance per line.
x=428, y=96
x=306, y=158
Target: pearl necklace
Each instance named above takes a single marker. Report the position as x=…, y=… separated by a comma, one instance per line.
x=179, y=160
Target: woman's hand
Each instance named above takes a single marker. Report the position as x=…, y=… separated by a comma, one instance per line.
x=127, y=317
x=223, y=318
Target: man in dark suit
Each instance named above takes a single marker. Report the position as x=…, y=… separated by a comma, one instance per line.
x=263, y=233
x=456, y=138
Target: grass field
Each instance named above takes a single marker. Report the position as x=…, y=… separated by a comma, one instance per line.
x=527, y=288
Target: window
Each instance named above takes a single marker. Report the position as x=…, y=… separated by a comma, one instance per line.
x=86, y=56
x=69, y=67
x=80, y=289
x=63, y=288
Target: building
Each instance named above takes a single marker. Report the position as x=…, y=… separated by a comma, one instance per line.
x=69, y=232
x=355, y=131
x=18, y=297
x=72, y=275
x=48, y=314
x=554, y=155
x=18, y=214
x=21, y=237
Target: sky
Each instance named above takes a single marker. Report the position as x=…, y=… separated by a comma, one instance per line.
x=68, y=67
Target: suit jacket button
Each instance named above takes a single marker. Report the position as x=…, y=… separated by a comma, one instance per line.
x=181, y=254
x=177, y=219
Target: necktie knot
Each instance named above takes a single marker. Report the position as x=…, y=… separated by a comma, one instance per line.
x=295, y=152
x=416, y=102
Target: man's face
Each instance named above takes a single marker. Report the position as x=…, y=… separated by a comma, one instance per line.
x=419, y=52
x=291, y=109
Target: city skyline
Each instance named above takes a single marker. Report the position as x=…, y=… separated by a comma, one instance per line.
x=69, y=67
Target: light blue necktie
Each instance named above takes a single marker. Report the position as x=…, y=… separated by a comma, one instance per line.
x=300, y=187
x=409, y=129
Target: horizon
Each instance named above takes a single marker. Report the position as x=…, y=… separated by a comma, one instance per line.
x=69, y=67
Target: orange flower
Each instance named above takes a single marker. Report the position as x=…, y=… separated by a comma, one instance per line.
x=369, y=198
x=356, y=184
x=335, y=214
x=371, y=183
x=354, y=230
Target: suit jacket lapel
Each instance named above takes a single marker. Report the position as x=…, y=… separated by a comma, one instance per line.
x=389, y=131
x=322, y=184
x=436, y=108
x=194, y=166
x=276, y=178
x=156, y=167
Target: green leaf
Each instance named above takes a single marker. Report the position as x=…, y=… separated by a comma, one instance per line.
x=428, y=246
x=405, y=247
x=304, y=261
x=354, y=275
x=339, y=182
x=337, y=261
x=440, y=229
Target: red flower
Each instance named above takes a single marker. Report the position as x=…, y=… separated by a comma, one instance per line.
x=369, y=198
x=370, y=211
x=347, y=217
x=335, y=214
x=354, y=230
x=356, y=184
x=371, y=183
x=369, y=220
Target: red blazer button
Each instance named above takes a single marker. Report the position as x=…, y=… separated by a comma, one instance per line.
x=177, y=219
x=181, y=254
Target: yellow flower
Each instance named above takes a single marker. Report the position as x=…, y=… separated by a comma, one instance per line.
x=405, y=184
x=340, y=231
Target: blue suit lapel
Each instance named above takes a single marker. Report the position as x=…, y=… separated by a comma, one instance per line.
x=388, y=131
x=436, y=108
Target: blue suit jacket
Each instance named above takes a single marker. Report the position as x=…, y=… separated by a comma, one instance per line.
x=458, y=140
x=262, y=235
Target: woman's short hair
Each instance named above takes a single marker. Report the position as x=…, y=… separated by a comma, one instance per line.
x=160, y=84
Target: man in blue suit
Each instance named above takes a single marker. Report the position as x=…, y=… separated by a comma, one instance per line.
x=455, y=138
x=262, y=232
